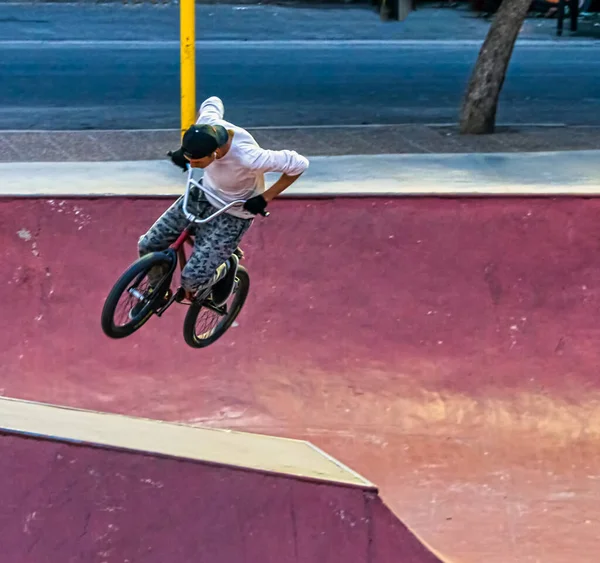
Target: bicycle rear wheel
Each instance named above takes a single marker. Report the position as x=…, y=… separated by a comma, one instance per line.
x=205, y=323
x=132, y=288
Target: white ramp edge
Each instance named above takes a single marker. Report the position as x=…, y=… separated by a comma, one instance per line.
x=568, y=173
x=241, y=450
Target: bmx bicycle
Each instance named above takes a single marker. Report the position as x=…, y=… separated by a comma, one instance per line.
x=131, y=302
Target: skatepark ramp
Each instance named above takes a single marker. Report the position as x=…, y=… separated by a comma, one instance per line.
x=80, y=485
x=445, y=348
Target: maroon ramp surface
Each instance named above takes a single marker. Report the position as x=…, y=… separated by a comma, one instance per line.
x=446, y=349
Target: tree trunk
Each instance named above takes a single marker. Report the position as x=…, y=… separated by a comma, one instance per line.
x=478, y=113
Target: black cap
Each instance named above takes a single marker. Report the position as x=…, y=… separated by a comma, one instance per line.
x=200, y=141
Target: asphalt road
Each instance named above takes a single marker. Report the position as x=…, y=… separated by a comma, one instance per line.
x=110, y=85
x=116, y=20
x=121, y=68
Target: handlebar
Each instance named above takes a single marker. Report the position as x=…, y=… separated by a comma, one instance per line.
x=226, y=206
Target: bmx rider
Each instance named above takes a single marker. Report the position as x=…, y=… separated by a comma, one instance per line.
x=234, y=167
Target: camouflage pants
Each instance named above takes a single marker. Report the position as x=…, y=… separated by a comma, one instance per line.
x=214, y=243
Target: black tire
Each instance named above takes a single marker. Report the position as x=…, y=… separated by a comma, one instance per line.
x=133, y=276
x=238, y=298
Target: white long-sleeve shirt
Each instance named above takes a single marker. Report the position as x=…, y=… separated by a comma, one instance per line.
x=240, y=173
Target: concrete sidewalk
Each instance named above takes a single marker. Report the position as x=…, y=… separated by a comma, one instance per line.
x=417, y=160
x=543, y=173
x=77, y=146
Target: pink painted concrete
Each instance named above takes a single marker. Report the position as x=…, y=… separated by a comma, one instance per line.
x=446, y=349
x=64, y=502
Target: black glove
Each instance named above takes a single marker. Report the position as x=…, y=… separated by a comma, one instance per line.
x=256, y=205
x=178, y=159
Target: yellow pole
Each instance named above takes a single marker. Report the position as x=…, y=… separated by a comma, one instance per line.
x=187, y=18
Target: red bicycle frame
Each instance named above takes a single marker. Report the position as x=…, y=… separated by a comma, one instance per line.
x=178, y=245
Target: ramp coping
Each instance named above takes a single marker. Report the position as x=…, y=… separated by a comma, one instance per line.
x=242, y=450
x=568, y=173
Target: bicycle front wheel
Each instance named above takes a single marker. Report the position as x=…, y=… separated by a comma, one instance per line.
x=205, y=322
x=130, y=303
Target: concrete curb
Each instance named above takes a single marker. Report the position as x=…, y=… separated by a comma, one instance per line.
x=572, y=173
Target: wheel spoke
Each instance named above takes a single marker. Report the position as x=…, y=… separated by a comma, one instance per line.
x=221, y=310
x=206, y=322
x=131, y=299
x=212, y=316
x=132, y=290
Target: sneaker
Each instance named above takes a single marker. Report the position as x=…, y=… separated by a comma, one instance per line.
x=223, y=288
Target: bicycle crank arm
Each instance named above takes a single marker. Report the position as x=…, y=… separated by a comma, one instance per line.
x=222, y=310
x=172, y=299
